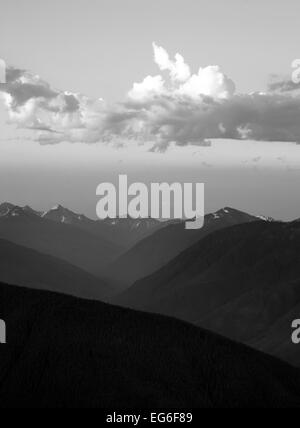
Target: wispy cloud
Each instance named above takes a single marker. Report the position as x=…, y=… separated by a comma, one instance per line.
x=282, y=84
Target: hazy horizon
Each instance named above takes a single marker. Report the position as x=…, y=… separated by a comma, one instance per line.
x=116, y=88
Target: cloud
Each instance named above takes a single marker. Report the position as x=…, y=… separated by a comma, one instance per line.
x=149, y=88
x=209, y=81
x=179, y=70
x=23, y=86
x=179, y=107
x=282, y=85
x=33, y=104
x=185, y=120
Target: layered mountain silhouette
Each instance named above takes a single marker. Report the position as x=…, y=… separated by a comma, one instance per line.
x=276, y=341
x=66, y=352
x=121, y=232
x=238, y=276
x=67, y=242
x=26, y=267
x=155, y=251
x=127, y=231
x=240, y=281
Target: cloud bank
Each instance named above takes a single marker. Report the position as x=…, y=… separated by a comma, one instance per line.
x=176, y=106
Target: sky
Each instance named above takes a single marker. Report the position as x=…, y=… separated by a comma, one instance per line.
x=95, y=90
x=85, y=47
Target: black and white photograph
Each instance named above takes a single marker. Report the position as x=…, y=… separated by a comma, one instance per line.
x=149, y=207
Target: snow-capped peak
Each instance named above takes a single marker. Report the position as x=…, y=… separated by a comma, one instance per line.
x=6, y=208
x=60, y=214
x=56, y=207
x=263, y=218
x=10, y=210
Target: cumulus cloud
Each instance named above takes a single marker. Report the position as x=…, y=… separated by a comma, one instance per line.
x=178, y=69
x=177, y=106
x=149, y=88
x=33, y=104
x=209, y=81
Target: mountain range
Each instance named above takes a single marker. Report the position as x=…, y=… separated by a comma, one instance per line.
x=242, y=282
x=238, y=276
x=73, y=239
x=26, y=267
x=120, y=232
x=92, y=246
x=63, y=352
x=123, y=232
x=155, y=251
x=64, y=241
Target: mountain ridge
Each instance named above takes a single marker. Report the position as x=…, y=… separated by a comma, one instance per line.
x=25, y=267
x=64, y=352
x=64, y=241
x=150, y=254
x=237, y=281
x=121, y=232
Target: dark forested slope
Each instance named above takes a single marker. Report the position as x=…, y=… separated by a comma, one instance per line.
x=66, y=352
